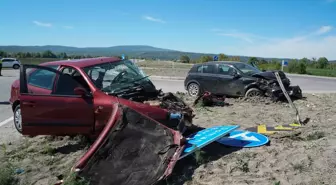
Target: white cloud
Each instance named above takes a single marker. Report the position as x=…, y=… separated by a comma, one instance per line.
x=311, y=45
x=68, y=27
x=38, y=23
x=324, y=29
x=248, y=37
x=149, y=18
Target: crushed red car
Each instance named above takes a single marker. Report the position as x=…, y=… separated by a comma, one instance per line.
x=107, y=99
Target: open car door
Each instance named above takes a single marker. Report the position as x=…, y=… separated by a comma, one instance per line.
x=67, y=110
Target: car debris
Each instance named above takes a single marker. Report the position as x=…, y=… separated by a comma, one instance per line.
x=237, y=79
x=209, y=99
x=269, y=86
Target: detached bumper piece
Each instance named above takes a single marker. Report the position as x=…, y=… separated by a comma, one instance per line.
x=132, y=149
x=293, y=91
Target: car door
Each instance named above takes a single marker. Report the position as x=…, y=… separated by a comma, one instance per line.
x=227, y=83
x=61, y=112
x=207, y=77
x=6, y=63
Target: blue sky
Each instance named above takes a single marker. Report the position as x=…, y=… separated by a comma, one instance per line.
x=265, y=28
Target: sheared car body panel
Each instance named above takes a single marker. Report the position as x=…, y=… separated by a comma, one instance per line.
x=132, y=149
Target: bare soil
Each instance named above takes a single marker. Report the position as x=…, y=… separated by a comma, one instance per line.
x=303, y=156
x=39, y=160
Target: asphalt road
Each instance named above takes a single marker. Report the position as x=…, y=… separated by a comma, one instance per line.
x=307, y=84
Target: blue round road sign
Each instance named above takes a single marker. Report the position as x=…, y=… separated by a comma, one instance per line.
x=245, y=139
x=215, y=58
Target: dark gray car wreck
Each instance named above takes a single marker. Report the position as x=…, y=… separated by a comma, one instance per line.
x=237, y=79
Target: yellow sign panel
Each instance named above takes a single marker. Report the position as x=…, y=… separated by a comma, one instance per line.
x=262, y=129
x=280, y=127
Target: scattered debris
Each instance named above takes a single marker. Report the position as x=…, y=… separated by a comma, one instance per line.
x=209, y=99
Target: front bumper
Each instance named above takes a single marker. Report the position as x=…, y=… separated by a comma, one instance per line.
x=293, y=91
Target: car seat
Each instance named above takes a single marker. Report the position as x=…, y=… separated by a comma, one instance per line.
x=231, y=71
x=100, y=79
x=65, y=85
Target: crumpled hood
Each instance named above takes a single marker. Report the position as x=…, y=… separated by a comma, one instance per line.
x=269, y=75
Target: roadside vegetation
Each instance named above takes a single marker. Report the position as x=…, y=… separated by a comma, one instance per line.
x=319, y=67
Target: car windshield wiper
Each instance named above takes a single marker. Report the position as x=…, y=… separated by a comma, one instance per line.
x=125, y=89
x=139, y=79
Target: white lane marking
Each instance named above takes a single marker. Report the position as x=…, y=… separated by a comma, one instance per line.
x=6, y=121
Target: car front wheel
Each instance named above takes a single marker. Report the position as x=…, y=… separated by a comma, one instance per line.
x=16, y=66
x=253, y=92
x=193, y=89
x=18, y=119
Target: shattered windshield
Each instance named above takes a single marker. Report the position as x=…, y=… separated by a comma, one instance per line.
x=113, y=76
x=247, y=69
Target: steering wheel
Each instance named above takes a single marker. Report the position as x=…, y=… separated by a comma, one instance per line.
x=119, y=76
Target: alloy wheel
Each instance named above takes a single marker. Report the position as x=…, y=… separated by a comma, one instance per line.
x=18, y=120
x=193, y=89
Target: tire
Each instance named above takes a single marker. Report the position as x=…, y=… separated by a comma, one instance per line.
x=16, y=66
x=18, y=119
x=252, y=92
x=194, y=89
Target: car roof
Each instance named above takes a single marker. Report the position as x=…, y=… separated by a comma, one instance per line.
x=224, y=62
x=221, y=62
x=8, y=58
x=85, y=62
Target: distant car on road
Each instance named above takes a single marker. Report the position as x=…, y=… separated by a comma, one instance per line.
x=236, y=79
x=11, y=63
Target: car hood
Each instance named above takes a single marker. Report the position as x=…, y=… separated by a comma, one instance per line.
x=132, y=149
x=270, y=75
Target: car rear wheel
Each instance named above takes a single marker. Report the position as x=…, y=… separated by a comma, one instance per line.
x=16, y=66
x=193, y=89
x=18, y=119
x=253, y=92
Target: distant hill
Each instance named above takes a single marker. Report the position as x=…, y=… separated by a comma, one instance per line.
x=129, y=50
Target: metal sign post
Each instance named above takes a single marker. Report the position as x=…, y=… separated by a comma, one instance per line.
x=283, y=63
x=288, y=98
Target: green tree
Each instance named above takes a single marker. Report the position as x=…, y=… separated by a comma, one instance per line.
x=205, y=58
x=234, y=58
x=322, y=62
x=3, y=54
x=222, y=57
x=184, y=59
x=253, y=60
x=295, y=66
x=62, y=55
x=48, y=54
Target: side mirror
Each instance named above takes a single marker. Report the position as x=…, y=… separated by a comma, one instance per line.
x=235, y=74
x=80, y=91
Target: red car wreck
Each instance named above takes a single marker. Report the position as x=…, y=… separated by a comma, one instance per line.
x=138, y=129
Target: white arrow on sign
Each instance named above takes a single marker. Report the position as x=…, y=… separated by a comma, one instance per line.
x=245, y=137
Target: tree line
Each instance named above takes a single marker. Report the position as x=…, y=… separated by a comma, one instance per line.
x=294, y=65
x=44, y=54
